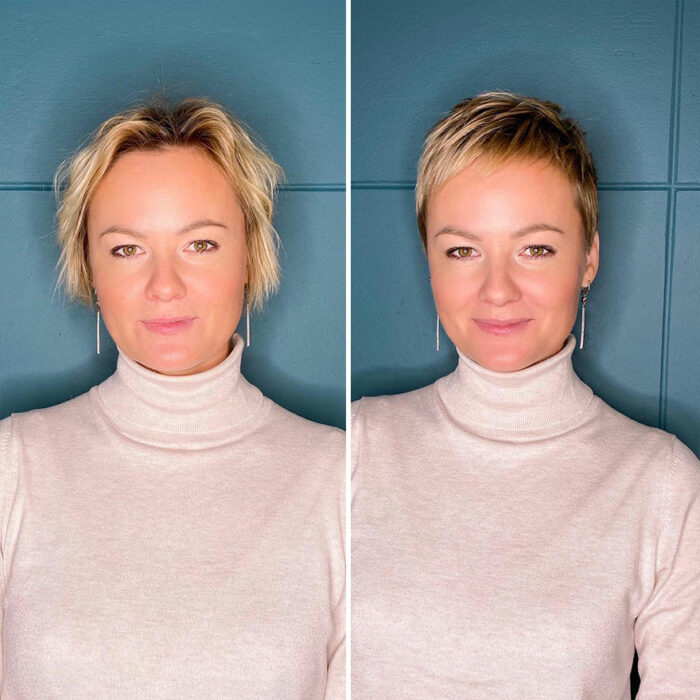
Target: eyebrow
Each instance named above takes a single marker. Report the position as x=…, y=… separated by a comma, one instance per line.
x=516, y=234
x=202, y=223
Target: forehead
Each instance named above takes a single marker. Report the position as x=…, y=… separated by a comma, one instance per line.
x=172, y=166
x=488, y=196
x=165, y=184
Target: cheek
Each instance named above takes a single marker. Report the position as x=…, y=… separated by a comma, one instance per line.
x=223, y=291
x=452, y=291
x=557, y=295
x=115, y=290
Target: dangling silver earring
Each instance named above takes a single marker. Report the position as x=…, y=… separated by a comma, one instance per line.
x=437, y=335
x=98, y=326
x=584, y=299
x=247, y=317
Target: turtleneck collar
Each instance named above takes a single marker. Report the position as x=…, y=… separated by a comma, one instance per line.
x=540, y=401
x=190, y=412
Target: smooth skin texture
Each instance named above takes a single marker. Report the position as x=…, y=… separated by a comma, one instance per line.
x=166, y=240
x=507, y=244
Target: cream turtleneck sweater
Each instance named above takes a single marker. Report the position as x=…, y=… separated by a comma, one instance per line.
x=171, y=537
x=515, y=537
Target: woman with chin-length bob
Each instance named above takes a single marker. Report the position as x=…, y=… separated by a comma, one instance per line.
x=171, y=533
x=513, y=535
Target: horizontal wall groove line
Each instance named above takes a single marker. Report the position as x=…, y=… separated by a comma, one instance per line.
x=603, y=186
x=289, y=187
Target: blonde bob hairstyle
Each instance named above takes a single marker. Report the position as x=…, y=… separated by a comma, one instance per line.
x=499, y=126
x=195, y=122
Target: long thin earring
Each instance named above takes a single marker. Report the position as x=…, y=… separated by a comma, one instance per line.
x=98, y=327
x=247, y=318
x=584, y=299
x=437, y=334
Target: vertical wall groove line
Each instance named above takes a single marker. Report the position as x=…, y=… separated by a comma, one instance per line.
x=674, y=147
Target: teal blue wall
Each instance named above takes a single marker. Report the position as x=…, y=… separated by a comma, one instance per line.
x=628, y=71
x=280, y=66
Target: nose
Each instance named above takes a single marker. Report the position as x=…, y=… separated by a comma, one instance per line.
x=499, y=286
x=164, y=282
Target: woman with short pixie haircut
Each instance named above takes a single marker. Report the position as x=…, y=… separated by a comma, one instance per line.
x=171, y=533
x=513, y=535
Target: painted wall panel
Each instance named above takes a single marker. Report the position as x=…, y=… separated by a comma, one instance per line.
x=609, y=64
x=684, y=332
x=278, y=64
x=689, y=117
x=47, y=347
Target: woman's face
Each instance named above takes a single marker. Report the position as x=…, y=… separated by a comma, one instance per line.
x=167, y=254
x=507, y=261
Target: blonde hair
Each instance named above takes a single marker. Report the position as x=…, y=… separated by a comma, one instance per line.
x=195, y=122
x=500, y=126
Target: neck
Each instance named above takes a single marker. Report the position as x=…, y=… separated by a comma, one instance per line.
x=542, y=400
x=191, y=411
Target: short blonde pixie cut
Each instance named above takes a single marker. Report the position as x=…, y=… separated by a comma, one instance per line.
x=499, y=126
x=195, y=122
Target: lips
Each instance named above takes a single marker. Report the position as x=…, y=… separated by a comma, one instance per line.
x=499, y=327
x=168, y=326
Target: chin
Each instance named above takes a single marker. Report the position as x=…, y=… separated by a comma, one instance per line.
x=170, y=365
x=505, y=363
x=499, y=357
x=169, y=360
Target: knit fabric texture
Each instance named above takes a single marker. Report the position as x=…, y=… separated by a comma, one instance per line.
x=172, y=537
x=513, y=536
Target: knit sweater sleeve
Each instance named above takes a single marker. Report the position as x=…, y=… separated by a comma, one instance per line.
x=335, y=680
x=4, y=480
x=667, y=630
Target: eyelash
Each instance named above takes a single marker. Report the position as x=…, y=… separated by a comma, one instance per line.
x=549, y=252
x=213, y=245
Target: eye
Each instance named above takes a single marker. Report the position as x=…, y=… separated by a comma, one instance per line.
x=202, y=246
x=461, y=252
x=125, y=251
x=540, y=251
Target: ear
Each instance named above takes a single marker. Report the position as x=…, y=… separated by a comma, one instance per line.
x=592, y=260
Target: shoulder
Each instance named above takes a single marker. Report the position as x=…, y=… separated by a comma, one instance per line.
x=310, y=455
x=40, y=431
x=50, y=422
x=391, y=422
x=300, y=435
x=5, y=435
x=684, y=473
x=615, y=428
x=377, y=410
x=669, y=466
